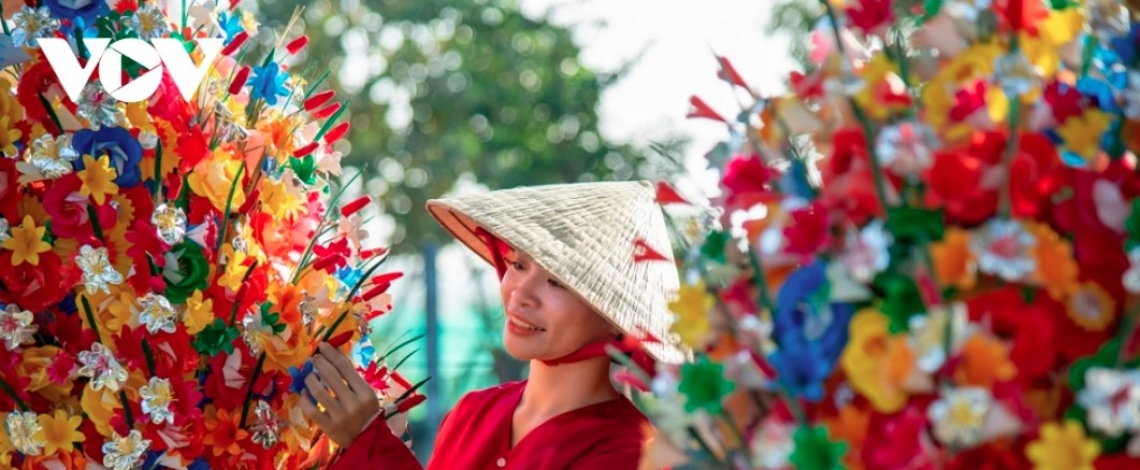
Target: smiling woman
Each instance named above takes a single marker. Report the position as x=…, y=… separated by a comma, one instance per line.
x=585, y=270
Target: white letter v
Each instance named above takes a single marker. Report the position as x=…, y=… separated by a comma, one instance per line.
x=66, y=65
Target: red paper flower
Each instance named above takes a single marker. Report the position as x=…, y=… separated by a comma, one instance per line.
x=61, y=367
x=1031, y=328
x=968, y=100
x=69, y=214
x=37, y=81
x=808, y=231
x=1116, y=462
x=989, y=457
x=1021, y=15
x=9, y=190
x=746, y=181
x=33, y=287
x=869, y=15
x=898, y=441
x=848, y=179
x=807, y=86
x=166, y=103
x=1064, y=100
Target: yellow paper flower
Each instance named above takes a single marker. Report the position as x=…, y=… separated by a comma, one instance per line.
x=1056, y=270
x=98, y=179
x=278, y=200
x=878, y=74
x=985, y=362
x=100, y=406
x=26, y=243
x=1082, y=133
x=11, y=112
x=938, y=97
x=1091, y=307
x=1063, y=447
x=235, y=270
x=692, y=307
x=59, y=431
x=199, y=313
x=877, y=364
x=954, y=262
x=213, y=177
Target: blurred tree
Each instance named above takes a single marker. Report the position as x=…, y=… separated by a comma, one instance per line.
x=459, y=90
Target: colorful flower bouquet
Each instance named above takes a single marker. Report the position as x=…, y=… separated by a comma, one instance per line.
x=168, y=266
x=926, y=254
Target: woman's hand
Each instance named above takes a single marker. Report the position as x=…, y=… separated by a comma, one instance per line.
x=349, y=402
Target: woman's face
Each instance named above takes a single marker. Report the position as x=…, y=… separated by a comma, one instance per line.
x=544, y=319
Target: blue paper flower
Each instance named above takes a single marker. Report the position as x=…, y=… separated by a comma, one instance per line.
x=88, y=10
x=231, y=24
x=810, y=330
x=268, y=82
x=119, y=145
x=80, y=30
x=298, y=377
x=801, y=369
x=199, y=464
x=1125, y=46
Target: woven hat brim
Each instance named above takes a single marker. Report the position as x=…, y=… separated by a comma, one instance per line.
x=461, y=219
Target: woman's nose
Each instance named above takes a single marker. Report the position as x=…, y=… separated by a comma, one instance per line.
x=525, y=291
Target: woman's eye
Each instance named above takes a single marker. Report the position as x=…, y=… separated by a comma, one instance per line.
x=556, y=284
x=516, y=265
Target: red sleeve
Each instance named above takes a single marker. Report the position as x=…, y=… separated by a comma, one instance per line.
x=376, y=446
x=617, y=460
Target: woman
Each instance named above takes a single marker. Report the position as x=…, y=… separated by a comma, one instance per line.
x=582, y=267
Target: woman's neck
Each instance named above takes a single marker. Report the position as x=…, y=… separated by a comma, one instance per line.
x=553, y=390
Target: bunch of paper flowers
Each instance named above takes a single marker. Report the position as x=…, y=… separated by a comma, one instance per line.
x=926, y=254
x=168, y=266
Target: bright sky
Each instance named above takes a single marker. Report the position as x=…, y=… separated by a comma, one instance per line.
x=679, y=38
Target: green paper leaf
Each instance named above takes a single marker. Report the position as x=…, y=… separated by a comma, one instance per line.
x=1132, y=224
x=901, y=299
x=704, y=386
x=714, y=246
x=909, y=225
x=216, y=338
x=305, y=168
x=813, y=450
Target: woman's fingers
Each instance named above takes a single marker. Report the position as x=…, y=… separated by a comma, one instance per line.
x=332, y=377
x=310, y=410
x=316, y=388
x=347, y=371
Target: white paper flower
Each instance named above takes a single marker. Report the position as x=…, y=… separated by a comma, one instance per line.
x=100, y=365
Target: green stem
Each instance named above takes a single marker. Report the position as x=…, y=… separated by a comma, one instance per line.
x=704, y=445
x=1127, y=329
x=127, y=409
x=249, y=390
x=95, y=226
x=50, y=111
x=229, y=203
x=12, y=393
x=759, y=278
x=149, y=358
x=90, y=317
x=1086, y=55
x=1007, y=158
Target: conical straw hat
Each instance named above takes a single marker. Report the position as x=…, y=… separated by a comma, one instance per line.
x=591, y=237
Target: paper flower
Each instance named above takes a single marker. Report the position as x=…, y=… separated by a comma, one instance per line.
x=267, y=426
x=1111, y=399
x=49, y=158
x=692, y=308
x=865, y=252
x=223, y=434
x=59, y=432
x=16, y=327
x=100, y=365
x=98, y=273
x=1003, y=248
x=30, y=24
x=124, y=452
x=984, y=362
x=1063, y=447
x=26, y=243
x=814, y=451
x=156, y=313
x=22, y=427
x=704, y=386
x=157, y=397
x=959, y=416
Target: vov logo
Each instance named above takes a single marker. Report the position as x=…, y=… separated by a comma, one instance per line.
x=158, y=53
